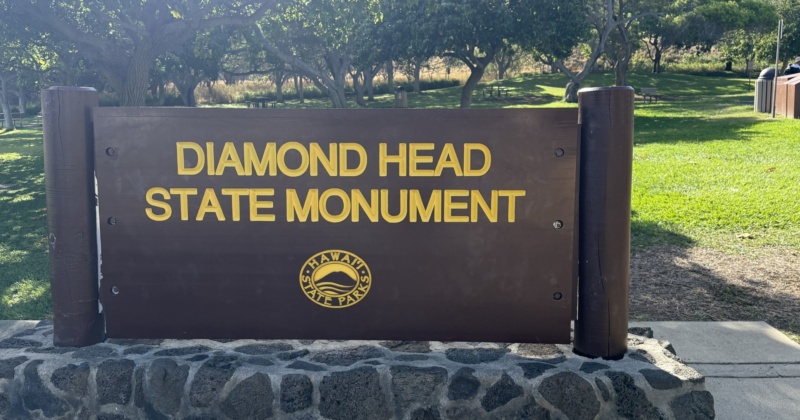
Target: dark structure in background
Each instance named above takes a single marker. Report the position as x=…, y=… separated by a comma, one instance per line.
x=148, y=292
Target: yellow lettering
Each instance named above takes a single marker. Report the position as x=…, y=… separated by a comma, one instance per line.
x=229, y=158
x=285, y=148
x=425, y=212
x=181, y=147
x=448, y=159
x=267, y=160
x=255, y=205
x=235, y=194
x=358, y=201
x=210, y=204
x=309, y=206
x=401, y=214
x=512, y=196
x=318, y=157
x=184, y=194
x=210, y=158
x=477, y=201
x=344, y=148
x=323, y=205
x=414, y=159
x=487, y=159
x=159, y=204
x=449, y=206
x=384, y=159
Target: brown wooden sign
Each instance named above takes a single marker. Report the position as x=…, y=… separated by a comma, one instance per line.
x=338, y=224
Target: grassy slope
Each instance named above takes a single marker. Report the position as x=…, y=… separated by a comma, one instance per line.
x=707, y=171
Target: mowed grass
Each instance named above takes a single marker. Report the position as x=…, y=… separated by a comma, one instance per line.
x=707, y=171
x=24, y=275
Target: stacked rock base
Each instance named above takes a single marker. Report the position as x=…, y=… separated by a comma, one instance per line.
x=291, y=379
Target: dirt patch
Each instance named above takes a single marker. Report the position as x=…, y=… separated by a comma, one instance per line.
x=698, y=284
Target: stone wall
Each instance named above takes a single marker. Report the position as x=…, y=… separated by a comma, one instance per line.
x=249, y=379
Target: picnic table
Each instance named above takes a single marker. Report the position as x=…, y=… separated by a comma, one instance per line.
x=260, y=103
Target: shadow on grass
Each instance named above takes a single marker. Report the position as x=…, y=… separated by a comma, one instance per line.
x=684, y=129
x=669, y=282
x=24, y=279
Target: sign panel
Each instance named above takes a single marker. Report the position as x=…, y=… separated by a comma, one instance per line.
x=337, y=224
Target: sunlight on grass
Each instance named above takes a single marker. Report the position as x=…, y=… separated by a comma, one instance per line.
x=22, y=292
x=4, y=157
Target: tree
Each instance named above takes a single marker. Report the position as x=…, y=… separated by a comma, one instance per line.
x=475, y=31
x=122, y=38
x=317, y=38
x=604, y=17
x=196, y=61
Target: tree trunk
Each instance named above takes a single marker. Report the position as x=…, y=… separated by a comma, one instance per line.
x=186, y=89
x=728, y=66
x=571, y=94
x=358, y=87
x=369, y=77
x=417, y=71
x=501, y=70
x=8, y=122
x=134, y=90
x=475, y=76
x=279, y=77
x=657, y=60
x=390, y=74
x=750, y=64
x=22, y=102
x=298, y=86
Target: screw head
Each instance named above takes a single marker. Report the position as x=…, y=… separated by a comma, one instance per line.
x=558, y=224
x=559, y=152
x=557, y=296
x=115, y=290
x=112, y=221
x=110, y=151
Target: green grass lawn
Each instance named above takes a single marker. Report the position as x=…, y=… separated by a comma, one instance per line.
x=708, y=171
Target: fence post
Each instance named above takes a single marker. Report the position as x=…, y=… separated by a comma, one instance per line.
x=71, y=214
x=606, y=117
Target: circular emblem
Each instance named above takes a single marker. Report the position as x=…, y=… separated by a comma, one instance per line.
x=335, y=279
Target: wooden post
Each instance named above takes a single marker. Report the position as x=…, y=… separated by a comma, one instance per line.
x=606, y=117
x=71, y=214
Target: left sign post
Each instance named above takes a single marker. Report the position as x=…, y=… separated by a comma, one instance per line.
x=71, y=214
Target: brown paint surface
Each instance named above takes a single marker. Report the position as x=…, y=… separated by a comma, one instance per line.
x=430, y=281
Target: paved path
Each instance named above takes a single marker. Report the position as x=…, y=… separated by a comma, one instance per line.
x=752, y=369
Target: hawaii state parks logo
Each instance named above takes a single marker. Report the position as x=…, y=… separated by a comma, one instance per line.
x=335, y=279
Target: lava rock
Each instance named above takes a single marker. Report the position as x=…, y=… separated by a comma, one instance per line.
x=301, y=365
x=412, y=385
x=430, y=413
x=250, y=399
x=603, y=389
x=641, y=331
x=291, y=355
x=659, y=379
x=534, y=369
x=7, y=366
x=571, y=394
x=137, y=350
x=474, y=356
x=18, y=343
x=181, y=351
x=697, y=405
x=167, y=381
x=114, y=384
x=296, y=393
x=499, y=394
x=262, y=348
x=211, y=378
x=353, y=395
x=463, y=385
x=631, y=400
x=592, y=367
x=408, y=346
x=94, y=352
x=348, y=356
x=36, y=396
x=72, y=379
